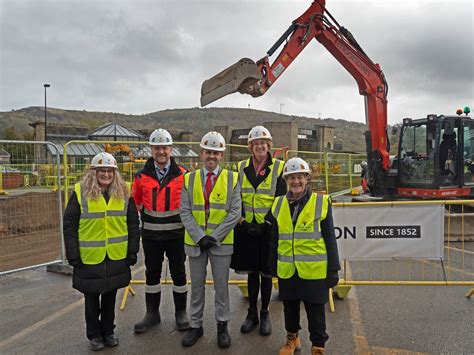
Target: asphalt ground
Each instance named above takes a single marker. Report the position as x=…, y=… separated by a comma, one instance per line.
x=41, y=313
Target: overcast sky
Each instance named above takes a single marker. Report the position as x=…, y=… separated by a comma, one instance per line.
x=143, y=56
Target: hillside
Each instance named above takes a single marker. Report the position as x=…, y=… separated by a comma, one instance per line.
x=196, y=120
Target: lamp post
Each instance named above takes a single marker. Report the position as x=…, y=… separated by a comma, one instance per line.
x=45, y=115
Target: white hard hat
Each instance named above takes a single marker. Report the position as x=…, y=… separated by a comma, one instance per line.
x=161, y=137
x=213, y=141
x=294, y=166
x=104, y=160
x=259, y=132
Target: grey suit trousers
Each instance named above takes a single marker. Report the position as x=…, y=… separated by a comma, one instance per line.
x=220, y=273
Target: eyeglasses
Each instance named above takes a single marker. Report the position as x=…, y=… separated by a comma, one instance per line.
x=106, y=171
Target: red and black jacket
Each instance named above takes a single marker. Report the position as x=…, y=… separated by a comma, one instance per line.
x=160, y=201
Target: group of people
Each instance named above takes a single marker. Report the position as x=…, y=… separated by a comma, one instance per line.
x=263, y=221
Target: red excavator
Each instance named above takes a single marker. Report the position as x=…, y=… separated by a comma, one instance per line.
x=436, y=153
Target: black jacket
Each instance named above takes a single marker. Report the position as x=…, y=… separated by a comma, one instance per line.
x=250, y=251
x=108, y=275
x=174, y=172
x=295, y=288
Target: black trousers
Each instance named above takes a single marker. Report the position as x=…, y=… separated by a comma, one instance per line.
x=316, y=320
x=100, y=314
x=154, y=255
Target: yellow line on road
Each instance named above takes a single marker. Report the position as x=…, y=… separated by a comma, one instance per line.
x=49, y=319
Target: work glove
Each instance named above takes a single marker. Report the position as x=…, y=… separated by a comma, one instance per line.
x=131, y=259
x=332, y=279
x=75, y=262
x=207, y=242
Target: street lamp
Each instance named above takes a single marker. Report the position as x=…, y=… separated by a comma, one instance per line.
x=45, y=115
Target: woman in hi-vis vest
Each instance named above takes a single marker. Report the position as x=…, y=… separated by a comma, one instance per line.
x=303, y=254
x=261, y=180
x=101, y=237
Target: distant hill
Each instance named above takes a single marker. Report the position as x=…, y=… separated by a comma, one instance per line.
x=196, y=120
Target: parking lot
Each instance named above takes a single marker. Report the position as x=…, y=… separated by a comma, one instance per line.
x=42, y=314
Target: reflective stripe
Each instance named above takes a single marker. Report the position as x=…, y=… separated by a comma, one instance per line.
x=241, y=172
x=248, y=208
x=311, y=258
x=153, y=288
x=285, y=236
x=198, y=208
x=92, y=215
x=212, y=225
x=161, y=214
x=192, y=177
x=285, y=259
x=180, y=289
x=230, y=185
x=276, y=211
x=302, y=257
x=248, y=190
x=121, y=239
x=91, y=244
x=308, y=235
x=218, y=206
x=264, y=191
x=162, y=227
x=116, y=213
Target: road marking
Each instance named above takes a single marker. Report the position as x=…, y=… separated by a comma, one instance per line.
x=49, y=319
x=39, y=324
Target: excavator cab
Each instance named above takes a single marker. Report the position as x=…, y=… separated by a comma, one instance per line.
x=239, y=77
x=435, y=157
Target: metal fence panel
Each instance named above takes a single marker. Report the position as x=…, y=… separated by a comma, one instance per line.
x=30, y=205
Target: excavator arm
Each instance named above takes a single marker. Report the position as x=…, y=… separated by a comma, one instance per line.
x=317, y=23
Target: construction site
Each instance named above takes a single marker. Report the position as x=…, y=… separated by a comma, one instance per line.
x=403, y=221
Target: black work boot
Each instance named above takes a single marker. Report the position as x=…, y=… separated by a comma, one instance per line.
x=182, y=321
x=152, y=316
x=223, y=338
x=192, y=336
x=250, y=321
x=265, y=324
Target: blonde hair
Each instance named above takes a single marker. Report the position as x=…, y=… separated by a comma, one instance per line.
x=269, y=144
x=92, y=189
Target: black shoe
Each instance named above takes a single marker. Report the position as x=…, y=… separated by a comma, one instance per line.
x=111, y=340
x=192, y=336
x=97, y=344
x=152, y=316
x=223, y=338
x=182, y=321
x=250, y=321
x=265, y=324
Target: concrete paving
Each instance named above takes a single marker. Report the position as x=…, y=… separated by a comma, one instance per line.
x=40, y=313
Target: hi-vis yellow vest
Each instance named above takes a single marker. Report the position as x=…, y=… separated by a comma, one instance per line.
x=258, y=202
x=102, y=228
x=301, y=248
x=219, y=202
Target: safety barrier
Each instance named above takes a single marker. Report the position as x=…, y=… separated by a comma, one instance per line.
x=332, y=172
x=455, y=268
x=131, y=156
x=30, y=205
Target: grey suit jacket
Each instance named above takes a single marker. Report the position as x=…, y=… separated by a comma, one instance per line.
x=197, y=233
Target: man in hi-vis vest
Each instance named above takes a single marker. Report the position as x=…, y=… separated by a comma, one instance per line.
x=157, y=190
x=210, y=208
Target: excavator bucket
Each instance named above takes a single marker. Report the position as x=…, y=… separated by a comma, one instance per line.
x=235, y=78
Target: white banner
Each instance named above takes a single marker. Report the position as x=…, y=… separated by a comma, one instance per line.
x=389, y=232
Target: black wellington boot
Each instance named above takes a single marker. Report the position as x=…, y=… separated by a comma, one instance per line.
x=182, y=320
x=152, y=316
